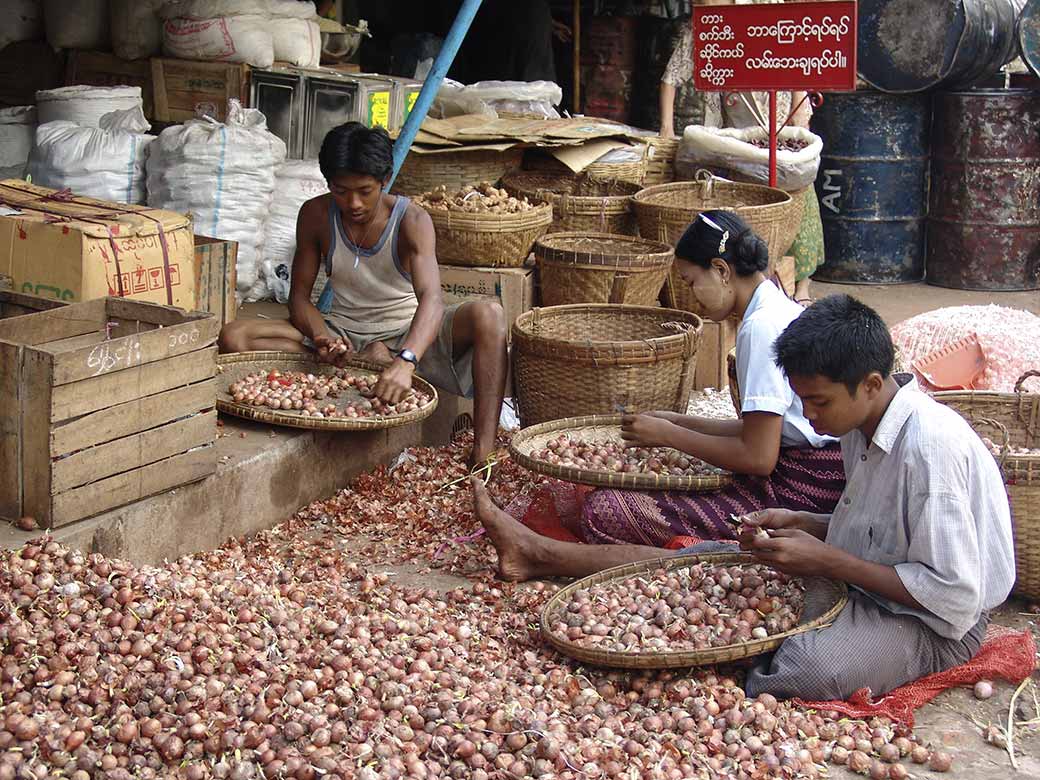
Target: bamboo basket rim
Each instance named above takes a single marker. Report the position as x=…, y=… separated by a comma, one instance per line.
x=517, y=180
x=527, y=439
x=686, y=323
x=262, y=360
x=643, y=254
x=648, y=198
x=678, y=659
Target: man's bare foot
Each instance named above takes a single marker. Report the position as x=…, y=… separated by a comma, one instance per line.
x=377, y=352
x=514, y=542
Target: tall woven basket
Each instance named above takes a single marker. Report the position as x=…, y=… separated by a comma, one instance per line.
x=663, y=213
x=660, y=160
x=579, y=202
x=1018, y=414
x=574, y=361
x=633, y=171
x=488, y=240
x=455, y=169
x=600, y=268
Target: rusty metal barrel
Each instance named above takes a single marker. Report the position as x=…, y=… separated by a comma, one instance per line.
x=1029, y=36
x=917, y=45
x=984, y=205
x=873, y=186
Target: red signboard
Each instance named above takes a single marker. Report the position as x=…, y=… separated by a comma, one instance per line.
x=792, y=46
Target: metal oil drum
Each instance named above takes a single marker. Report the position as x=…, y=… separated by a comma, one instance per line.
x=873, y=186
x=984, y=215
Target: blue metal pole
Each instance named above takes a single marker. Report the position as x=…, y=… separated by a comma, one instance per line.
x=432, y=85
x=445, y=57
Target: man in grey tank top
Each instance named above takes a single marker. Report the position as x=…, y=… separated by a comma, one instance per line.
x=379, y=253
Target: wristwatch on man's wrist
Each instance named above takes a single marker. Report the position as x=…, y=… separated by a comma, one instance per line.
x=408, y=357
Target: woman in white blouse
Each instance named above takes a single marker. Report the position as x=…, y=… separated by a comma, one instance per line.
x=776, y=456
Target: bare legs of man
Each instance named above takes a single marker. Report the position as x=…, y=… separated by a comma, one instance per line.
x=525, y=555
x=253, y=335
x=482, y=326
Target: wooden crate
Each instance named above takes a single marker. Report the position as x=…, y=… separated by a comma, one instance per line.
x=182, y=86
x=104, y=69
x=215, y=277
x=103, y=403
x=717, y=339
x=14, y=304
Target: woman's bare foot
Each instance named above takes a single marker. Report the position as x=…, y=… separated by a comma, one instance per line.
x=377, y=352
x=515, y=543
x=801, y=290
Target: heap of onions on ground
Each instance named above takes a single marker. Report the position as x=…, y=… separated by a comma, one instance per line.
x=298, y=391
x=615, y=457
x=292, y=654
x=686, y=608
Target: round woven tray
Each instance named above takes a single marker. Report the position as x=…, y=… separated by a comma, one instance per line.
x=236, y=366
x=600, y=268
x=598, y=428
x=488, y=240
x=824, y=599
x=579, y=202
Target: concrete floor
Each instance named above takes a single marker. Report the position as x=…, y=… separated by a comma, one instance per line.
x=897, y=302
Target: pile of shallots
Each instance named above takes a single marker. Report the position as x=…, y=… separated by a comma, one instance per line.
x=297, y=391
x=296, y=654
x=614, y=457
x=687, y=608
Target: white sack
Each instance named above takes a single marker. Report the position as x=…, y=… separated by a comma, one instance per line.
x=296, y=182
x=225, y=30
x=85, y=105
x=17, y=129
x=296, y=41
x=106, y=162
x=23, y=21
x=76, y=24
x=222, y=174
x=707, y=146
x=136, y=28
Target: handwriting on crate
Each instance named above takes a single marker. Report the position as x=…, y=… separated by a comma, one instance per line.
x=114, y=355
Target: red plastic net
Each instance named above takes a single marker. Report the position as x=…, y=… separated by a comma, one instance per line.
x=1005, y=654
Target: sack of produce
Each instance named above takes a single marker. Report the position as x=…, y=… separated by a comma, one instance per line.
x=106, y=162
x=136, y=28
x=85, y=105
x=295, y=32
x=76, y=24
x=226, y=30
x=296, y=182
x=23, y=21
x=747, y=152
x=223, y=175
x=17, y=128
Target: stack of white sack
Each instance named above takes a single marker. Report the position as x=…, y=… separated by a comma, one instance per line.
x=256, y=32
x=85, y=105
x=17, y=129
x=223, y=175
x=106, y=162
x=296, y=182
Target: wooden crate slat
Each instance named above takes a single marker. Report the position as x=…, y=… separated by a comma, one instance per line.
x=13, y=304
x=35, y=400
x=90, y=395
x=59, y=323
x=134, y=416
x=131, y=486
x=118, y=355
x=146, y=311
x=132, y=452
x=10, y=432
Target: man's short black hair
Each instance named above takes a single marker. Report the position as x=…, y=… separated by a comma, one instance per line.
x=354, y=148
x=839, y=338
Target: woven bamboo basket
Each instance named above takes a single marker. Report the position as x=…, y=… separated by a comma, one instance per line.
x=599, y=428
x=236, y=366
x=455, y=169
x=633, y=172
x=824, y=600
x=1019, y=414
x=576, y=361
x=488, y=240
x=660, y=162
x=579, y=202
x=600, y=268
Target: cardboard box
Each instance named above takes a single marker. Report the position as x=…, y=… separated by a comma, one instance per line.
x=514, y=288
x=78, y=249
x=215, y=277
x=717, y=339
x=101, y=404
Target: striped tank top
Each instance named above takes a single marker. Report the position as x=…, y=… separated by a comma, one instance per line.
x=375, y=296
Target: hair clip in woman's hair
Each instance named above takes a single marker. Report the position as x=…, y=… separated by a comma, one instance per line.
x=722, y=243
x=725, y=233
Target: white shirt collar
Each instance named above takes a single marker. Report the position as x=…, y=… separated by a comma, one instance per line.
x=897, y=413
